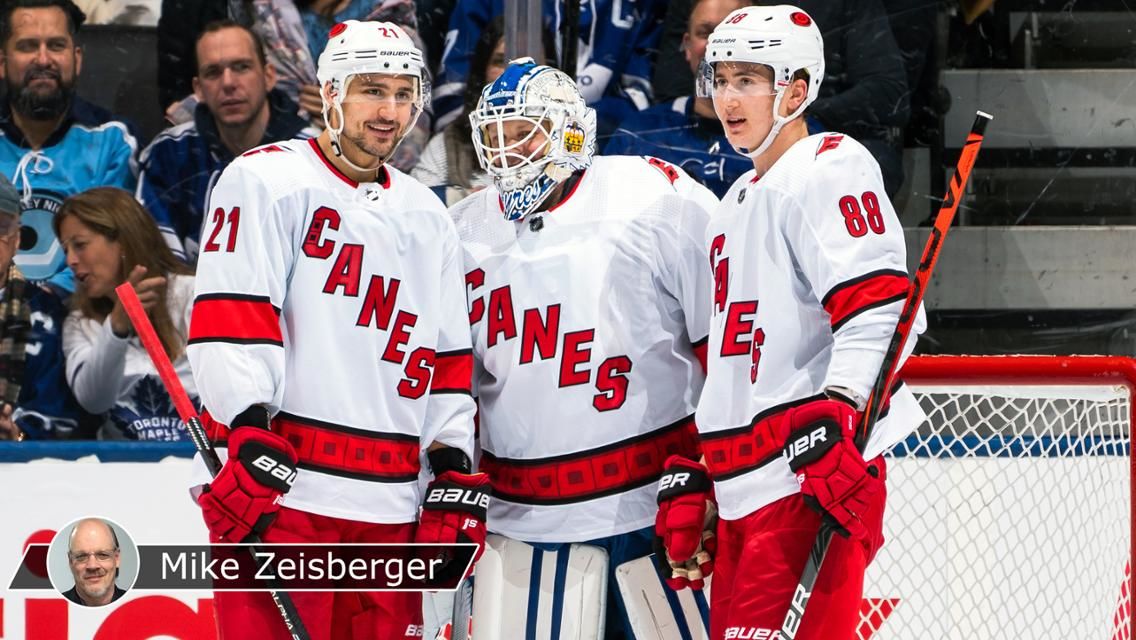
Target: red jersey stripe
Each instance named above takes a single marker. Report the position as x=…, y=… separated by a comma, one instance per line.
x=235, y=318
x=349, y=452
x=453, y=372
x=848, y=299
x=591, y=474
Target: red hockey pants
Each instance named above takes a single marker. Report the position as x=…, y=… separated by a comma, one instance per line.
x=759, y=562
x=326, y=615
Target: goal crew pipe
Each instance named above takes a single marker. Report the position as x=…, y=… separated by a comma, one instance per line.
x=943, y=219
x=188, y=415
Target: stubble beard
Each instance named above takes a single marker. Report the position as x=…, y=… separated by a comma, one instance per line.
x=97, y=593
x=381, y=151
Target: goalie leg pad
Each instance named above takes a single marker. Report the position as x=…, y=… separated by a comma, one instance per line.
x=657, y=612
x=523, y=591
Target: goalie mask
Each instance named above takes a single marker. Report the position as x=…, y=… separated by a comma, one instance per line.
x=364, y=48
x=531, y=131
x=782, y=38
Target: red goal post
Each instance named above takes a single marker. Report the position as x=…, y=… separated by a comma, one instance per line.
x=1010, y=509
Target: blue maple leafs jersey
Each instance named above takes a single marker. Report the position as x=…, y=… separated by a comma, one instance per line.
x=46, y=407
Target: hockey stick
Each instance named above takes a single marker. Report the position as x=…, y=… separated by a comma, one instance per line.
x=197, y=433
x=884, y=380
x=569, y=37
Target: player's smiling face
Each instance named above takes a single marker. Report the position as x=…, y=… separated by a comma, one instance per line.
x=377, y=110
x=743, y=100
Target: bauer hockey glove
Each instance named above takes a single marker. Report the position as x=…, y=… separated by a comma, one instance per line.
x=245, y=496
x=454, y=510
x=834, y=479
x=684, y=526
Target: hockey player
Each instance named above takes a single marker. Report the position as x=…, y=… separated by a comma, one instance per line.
x=329, y=332
x=588, y=298
x=810, y=275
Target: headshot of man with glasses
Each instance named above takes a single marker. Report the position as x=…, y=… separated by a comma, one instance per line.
x=93, y=555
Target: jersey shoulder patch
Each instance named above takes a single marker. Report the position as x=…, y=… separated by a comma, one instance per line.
x=267, y=148
x=665, y=167
x=829, y=142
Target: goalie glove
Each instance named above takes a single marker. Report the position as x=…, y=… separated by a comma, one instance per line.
x=684, y=526
x=834, y=478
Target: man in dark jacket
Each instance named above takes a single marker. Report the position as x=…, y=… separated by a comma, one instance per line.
x=238, y=109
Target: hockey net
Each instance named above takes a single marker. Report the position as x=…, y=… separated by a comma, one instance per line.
x=1009, y=511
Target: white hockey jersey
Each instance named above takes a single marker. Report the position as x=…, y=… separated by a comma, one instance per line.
x=589, y=324
x=810, y=274
x=340, y=306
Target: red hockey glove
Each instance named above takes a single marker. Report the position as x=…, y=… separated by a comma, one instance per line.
x=684, y=525
x=454, y=511
x=835, y=481
x=245, y=496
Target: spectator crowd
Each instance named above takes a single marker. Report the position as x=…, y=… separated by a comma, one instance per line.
x=86, y=204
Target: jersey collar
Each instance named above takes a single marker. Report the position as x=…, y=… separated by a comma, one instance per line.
x=571, y=184
x=382, y=178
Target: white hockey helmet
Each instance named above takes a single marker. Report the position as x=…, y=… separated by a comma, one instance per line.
x=783, y=38
x=355, y=48
x=549, y=100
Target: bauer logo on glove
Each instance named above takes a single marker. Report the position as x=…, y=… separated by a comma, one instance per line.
x=454, y=511
x=673, y=481
x=798, y=447
x=684, y=525
x=245, y=496
x=275, y=469
x=457, y=495
x=834, y=479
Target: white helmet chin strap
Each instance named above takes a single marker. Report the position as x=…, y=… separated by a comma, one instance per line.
x=333, y=133
x=778, y=122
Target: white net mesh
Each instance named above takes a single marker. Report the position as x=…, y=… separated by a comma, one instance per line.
x=1008, y=516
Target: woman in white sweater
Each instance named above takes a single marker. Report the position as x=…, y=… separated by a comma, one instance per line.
x=109, y=239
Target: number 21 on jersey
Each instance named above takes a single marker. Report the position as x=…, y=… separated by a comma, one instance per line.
x=230, y=222
x=739, y=336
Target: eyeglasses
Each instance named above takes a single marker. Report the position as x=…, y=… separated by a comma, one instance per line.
x=101, y=556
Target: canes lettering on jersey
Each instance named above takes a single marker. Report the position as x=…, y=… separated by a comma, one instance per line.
x=720, y=267
x=807, y=311
x=353, y=289
x=541, y=337
x=379, y=303
x=740, y=336
x=589, y=338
